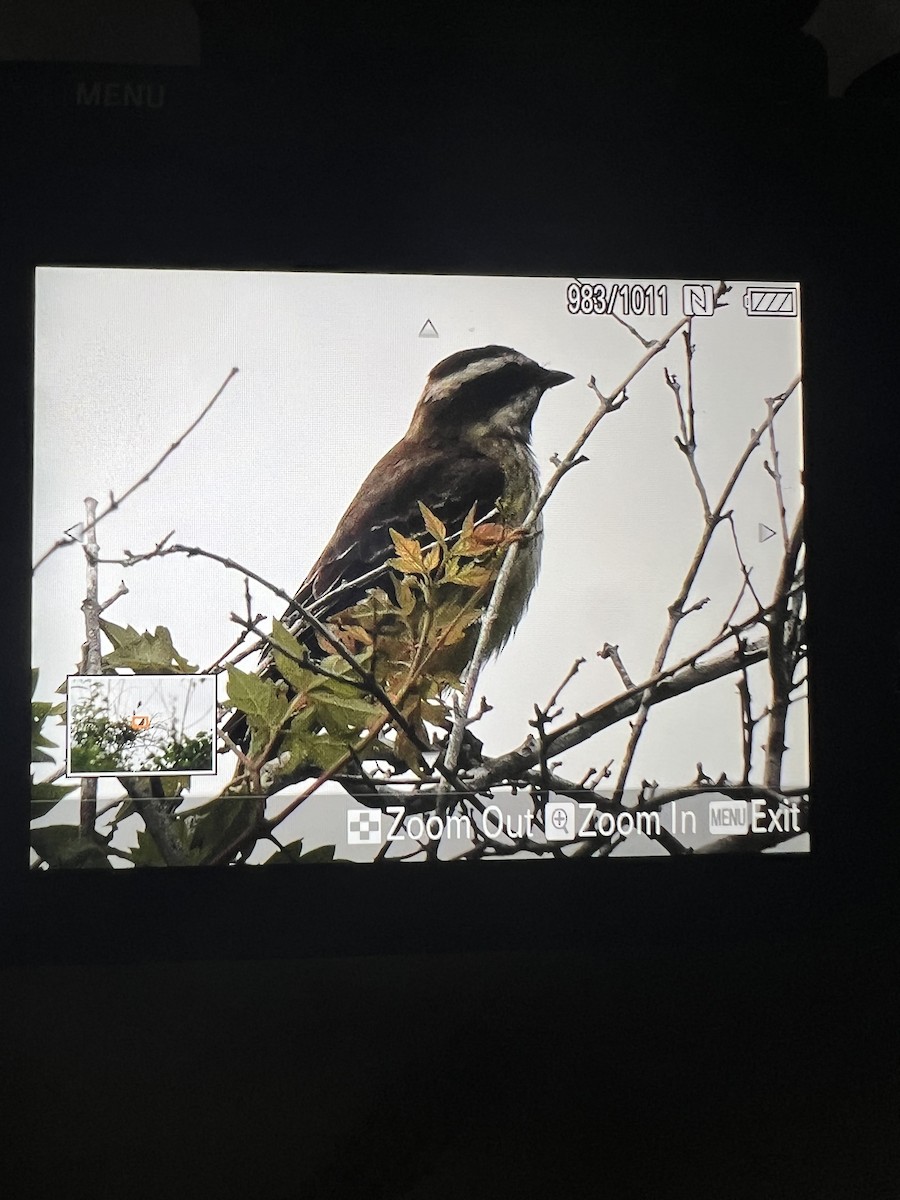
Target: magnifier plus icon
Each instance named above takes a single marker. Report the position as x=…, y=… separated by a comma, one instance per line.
x=559, y=820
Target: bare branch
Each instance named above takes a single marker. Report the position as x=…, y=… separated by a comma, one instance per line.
x=116, y=501
x=160, y=551
x=674, y=681
x=782, y=658
x=607, y=405
x=645, y=342
x=570, y=675
x=676, y=609
x=774, y=470
x=120, y=591
x=91, y=660
x=612, y=653
x=748, y=723
x=745, y=570
x=687, y=443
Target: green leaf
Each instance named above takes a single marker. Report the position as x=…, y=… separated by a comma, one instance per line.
x=146, y=853
x=286, y=650
x=40, y=711
x=287, y=854
x=322, y=750
x=320, y=854
x=256, y=697
x=282, y=637
x=63, y=846
x=346, y=714
x=291, y=854
x=45, y=795
x=217, y=825
x=144, y=653
x=127, y=808
x=300, y=679
x=336, y=664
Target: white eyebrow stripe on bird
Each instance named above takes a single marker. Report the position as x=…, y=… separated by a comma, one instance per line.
x=483, y=366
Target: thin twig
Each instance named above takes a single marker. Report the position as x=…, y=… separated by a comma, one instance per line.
x=687, y=443
x=116, y=501
x=645, y=342
x=748, y=721
x=92, y=660
x=120, y=591
x=607, y=404
x=612, y=653
x=774, y=470
x=782, y=659
x=673, y=681
x=745, y=570
x=676, y=608
x=570, y=675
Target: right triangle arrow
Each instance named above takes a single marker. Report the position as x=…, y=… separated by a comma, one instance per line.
x=765, y=532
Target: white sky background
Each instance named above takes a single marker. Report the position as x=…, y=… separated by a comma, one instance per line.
x=331, y=367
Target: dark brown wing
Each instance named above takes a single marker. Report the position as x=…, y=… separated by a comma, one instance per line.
x=448, y=480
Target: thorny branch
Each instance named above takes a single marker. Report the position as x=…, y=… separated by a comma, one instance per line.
x=677, y=609
x=784, y=648
x=774, y=470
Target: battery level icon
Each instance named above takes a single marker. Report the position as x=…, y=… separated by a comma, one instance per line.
x=771, y=301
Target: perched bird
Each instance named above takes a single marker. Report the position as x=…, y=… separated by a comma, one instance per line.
x=468, y=444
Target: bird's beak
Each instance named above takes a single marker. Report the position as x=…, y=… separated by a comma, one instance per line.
x=555, y=378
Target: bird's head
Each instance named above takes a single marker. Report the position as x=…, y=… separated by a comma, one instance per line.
x=490, y=391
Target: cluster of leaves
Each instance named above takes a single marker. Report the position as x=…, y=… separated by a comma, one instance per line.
x=144, y=653
x=103, y=741
x=44, y=795
x=58, y=845
x=100, y=742
x=326, y=708
x=406, y=642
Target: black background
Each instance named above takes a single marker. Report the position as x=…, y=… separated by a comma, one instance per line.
x=715, y=1027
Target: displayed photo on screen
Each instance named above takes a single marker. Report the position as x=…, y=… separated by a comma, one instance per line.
x=364, y=568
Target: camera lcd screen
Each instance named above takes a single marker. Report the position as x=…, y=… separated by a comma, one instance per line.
x=365, y=568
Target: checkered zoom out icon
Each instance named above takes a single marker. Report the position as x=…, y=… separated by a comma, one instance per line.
x=363, y=826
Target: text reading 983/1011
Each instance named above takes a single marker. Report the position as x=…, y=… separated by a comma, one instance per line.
x=622, y=299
